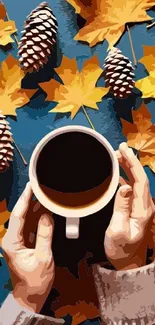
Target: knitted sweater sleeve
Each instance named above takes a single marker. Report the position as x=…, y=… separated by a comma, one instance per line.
x=126, y=297
x=11, y=313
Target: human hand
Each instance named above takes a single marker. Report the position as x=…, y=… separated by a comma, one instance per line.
x=32, y=269
x=125, y=238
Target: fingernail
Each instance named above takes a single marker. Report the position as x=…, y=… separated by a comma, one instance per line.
x=45, y=220
x=27, y=186
x=123, y=146
x=27, y=191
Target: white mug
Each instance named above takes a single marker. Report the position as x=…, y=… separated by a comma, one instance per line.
x=72, y=214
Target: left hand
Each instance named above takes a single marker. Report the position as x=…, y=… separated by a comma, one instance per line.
x=30, y=262
x=125, y=238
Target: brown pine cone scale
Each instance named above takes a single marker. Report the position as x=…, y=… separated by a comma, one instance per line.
x=6, y=148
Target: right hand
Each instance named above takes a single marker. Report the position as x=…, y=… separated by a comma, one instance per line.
x=126, y=236
x=32, y=269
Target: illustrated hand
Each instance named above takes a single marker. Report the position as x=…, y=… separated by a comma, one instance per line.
x=32, y=269
x=125, y=238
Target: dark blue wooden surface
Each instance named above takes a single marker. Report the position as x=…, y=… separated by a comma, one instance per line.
x=33, y=121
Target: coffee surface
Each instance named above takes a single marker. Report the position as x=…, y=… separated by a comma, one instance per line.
x=73, y=162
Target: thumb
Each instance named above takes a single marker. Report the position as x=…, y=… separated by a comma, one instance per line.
x=45, y=234
x=122, y=204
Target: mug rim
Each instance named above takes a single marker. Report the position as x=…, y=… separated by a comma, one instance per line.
x=66, y=211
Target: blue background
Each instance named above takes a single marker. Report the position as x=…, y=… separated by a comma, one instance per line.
x=33, y=121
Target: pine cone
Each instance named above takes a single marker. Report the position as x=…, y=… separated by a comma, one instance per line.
x=118, y=74
x=6, y=148
x=38, y=38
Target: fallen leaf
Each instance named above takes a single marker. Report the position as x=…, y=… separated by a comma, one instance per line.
x=147, y=85
x=84, y=8
x=80, y=312
x=78, y=88
x=148, y=58
x=139, y=132
x=141, y=135
x=2, y=11
x=148, y=160
x=78, y=318
x=7, y=28
x=11, y=94
x=106, y=19
x=81, y=294
x=4, y=217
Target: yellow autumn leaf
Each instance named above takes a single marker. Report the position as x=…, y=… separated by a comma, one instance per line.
x=148, y=58
x=141, y=135
x=147, y=85
x=7, y=28
x=4, y=217
x=78, y=88
x=106, y=19
x=12, y=95
x=147, y=160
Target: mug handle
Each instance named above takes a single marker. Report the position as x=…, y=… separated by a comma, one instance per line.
x=72, y=228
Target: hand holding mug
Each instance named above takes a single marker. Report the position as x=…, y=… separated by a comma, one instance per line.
x=125, y=242
x=32, y=269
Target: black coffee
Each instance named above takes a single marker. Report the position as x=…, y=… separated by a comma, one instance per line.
x=74, y=163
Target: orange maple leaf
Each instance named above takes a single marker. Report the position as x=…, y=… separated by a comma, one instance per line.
x=80, y=312
x=106, y=19
x=11, y=94
x=2, y=11
x=81, y=300
x=78, y=88
x=81, y=294
x=141, y=135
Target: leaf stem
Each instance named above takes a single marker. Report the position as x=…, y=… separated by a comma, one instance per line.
x=132, y=47
x=150, y=25
x=138, y=151
x=88, y=118
x=20, y=154
x=8, y=18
